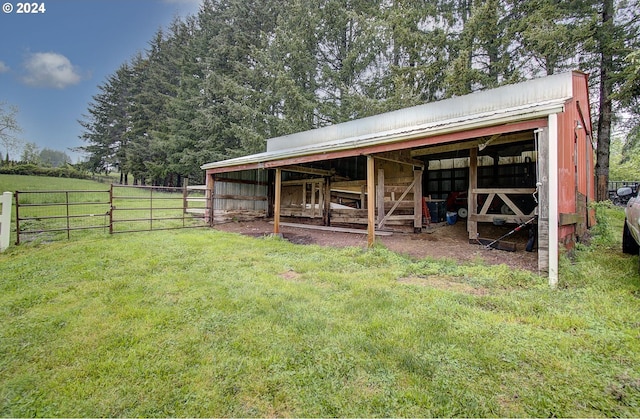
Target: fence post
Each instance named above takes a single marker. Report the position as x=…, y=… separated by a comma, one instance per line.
x=5, y=220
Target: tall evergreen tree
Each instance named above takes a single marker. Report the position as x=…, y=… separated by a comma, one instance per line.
x=106, y=127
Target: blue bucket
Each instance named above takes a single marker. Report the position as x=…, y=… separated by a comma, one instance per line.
x=452, y=217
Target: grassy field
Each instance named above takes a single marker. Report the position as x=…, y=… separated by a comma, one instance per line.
x=204, y=323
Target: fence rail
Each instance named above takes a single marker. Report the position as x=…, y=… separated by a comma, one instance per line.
x=48, y=215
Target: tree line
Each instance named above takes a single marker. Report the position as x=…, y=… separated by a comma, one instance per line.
x=217, y=84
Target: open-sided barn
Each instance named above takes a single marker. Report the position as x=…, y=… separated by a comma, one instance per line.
x=521, y=153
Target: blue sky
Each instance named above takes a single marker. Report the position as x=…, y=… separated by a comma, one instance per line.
x=51, y=63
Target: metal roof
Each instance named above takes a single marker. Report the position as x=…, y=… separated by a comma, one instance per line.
x=507, y=104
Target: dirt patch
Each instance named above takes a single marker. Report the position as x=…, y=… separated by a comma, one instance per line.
x=292, y=276
x=439, y=241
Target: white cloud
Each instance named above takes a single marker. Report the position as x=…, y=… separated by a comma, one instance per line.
x=194, y=2
x=186, y=6
x=3, y=67
x=48, y=69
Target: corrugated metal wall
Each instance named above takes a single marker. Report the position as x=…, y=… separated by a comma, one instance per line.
x=248, y=183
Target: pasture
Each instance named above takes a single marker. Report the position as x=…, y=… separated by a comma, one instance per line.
x=205, y=323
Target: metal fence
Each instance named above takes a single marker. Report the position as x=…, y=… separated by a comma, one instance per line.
x=54, y=215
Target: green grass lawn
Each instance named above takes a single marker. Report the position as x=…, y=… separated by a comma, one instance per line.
x=205, y=323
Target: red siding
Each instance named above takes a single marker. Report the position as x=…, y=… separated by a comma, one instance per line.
x=575, y=156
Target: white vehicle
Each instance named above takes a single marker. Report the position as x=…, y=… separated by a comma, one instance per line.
x=631, y=232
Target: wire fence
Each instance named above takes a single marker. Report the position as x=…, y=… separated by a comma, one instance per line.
x=55, y=215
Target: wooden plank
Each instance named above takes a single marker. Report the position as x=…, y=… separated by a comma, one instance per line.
x=489, y=218
x=487, y=204
x=335, y=229
x=499, y=245
x=301, y=182
x=276, y=207
x=467, y=145
x=397, y=159
x=569, y=219
x=380, y=196
x=313, y=199
x=355, y=184
x=509, y=191
x=472, y=225
x=513, y=207
x=326, y=213
x=371, y=210
x=543, y=198
x=417, y=200
x=381, y=223
x=308, y=170
x=239, y=197
x=211, y=184
x=396, y=188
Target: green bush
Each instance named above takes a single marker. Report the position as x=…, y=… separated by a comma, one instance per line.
x=29, y=169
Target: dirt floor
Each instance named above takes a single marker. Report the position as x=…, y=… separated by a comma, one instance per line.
x=438, y=241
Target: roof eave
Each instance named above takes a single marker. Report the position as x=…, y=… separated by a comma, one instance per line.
x=422, y=131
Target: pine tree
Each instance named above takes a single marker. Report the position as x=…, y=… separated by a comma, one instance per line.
x=107, y=124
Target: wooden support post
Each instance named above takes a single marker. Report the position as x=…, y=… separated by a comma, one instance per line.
x=543, y=201
x=326, y=216
x=210, y=183
x=417, y=200
x=472, y=205
x=304, y=197
x=313, y=199
x=371, y=202
x=276, y=209
x=380, y=197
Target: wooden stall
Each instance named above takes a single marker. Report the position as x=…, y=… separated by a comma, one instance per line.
x=513, y=153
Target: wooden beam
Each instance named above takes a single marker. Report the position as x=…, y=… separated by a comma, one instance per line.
x=543, y=198
x=335, y=229
x=301, y=181
x=400, y=143
x=472, y=207
x=276, y=207
x=508, y=219
x=498, y=139
x=417, y=200
x=326, y=214
x=211, y=183
x=395, y=205
x=371, y=203
x=408, y=162
x=308, y=170
x=569, y=219
x=380, y=197
x=508, y=191
x=242, y=197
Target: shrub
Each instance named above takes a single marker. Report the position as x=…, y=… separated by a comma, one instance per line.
x=29, y=169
